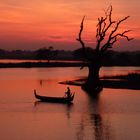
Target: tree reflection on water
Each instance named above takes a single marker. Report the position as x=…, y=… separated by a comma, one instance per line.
x=92, y=124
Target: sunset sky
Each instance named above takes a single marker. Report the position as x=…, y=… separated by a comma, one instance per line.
x=32, y=24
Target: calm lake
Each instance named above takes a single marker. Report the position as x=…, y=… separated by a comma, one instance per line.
x=114, y=116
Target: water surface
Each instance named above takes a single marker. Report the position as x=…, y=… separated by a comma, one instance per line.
x=114, y=115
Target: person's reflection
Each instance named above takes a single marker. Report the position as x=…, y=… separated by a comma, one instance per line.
x=69, y=109
x=41, y=82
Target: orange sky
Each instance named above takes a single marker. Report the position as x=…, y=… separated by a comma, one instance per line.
x=31, y=24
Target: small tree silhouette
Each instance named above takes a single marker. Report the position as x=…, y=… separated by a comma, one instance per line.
x=45, y=53
x=106, y=36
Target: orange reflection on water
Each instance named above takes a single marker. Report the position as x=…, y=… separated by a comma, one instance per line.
x=111, y=116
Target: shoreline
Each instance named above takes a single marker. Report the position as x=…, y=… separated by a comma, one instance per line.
x=110, y=84
x=52, y=64
x=129, y=81
x=39, y=64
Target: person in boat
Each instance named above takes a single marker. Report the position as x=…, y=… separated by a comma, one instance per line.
x=68, y=93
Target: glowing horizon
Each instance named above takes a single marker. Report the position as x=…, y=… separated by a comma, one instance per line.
x=34, y=24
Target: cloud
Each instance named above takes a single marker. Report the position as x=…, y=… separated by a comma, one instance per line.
x=58, y=21
x=55, y=37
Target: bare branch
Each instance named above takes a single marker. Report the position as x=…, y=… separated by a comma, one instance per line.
x=123, y=35
x=80, y=39
x=109, y=18
x=117, y=25
x=81, y=29
x=102, y=27
x=110, y=14
x=105, y=26
x=112, y=39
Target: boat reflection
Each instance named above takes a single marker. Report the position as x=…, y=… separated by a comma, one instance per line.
x=92, y=122
x=67, y=107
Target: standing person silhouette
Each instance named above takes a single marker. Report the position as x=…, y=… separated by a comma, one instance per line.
x=68, y=94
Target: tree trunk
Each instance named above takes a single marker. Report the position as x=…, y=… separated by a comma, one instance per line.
x=93, y=83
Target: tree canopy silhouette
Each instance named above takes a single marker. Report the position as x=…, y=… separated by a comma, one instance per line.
x=45, y=53
x=106, y=36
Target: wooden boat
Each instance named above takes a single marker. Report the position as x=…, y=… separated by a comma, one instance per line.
x=54, y=99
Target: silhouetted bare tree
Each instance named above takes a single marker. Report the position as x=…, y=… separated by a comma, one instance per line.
x=106, y=36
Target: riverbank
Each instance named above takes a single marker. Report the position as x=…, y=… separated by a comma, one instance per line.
x=31, y=64
x=41, y=64
x=129, y=81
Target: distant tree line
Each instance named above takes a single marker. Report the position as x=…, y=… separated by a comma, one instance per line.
x=111, y=58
